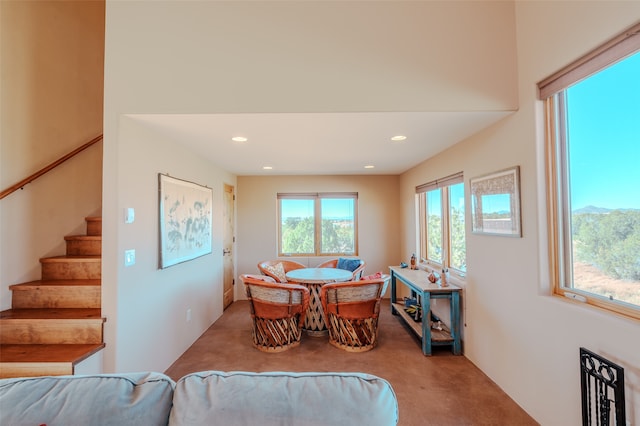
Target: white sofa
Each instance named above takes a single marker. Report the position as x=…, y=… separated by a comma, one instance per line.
x=203, y=398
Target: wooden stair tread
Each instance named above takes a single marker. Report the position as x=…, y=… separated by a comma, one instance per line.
x=72, y=353
x=55, y=313
x=83, y=237
x=72, y=258
x=56, y=283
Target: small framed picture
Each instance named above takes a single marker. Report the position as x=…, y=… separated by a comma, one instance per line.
x=495, y=203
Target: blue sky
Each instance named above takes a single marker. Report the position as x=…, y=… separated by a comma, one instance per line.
x=604, y=137
x=332, y=208
x=496, y=203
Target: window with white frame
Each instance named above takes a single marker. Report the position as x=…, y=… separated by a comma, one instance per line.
x=441, y=224
x=317, y=224
x=593, y=156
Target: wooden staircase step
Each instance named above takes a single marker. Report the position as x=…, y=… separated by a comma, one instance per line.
x=56, y=294
x=43, y=360
x=81, y=245
x=56, y=322
x=94, y=225
x=71, y=267
x=51, y=326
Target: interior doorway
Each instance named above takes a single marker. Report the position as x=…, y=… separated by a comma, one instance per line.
x=228, y=243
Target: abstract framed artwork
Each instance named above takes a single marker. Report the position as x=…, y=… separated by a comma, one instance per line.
x=185, y=220
x=495, y=203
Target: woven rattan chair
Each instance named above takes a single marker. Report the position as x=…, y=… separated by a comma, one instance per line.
x=351, y=309
x=277, y=312
x=268, y=267
x=333, y=263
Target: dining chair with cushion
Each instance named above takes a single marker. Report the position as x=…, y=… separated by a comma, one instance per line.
x=277, y=312
x=351, y=309
x=350, y=264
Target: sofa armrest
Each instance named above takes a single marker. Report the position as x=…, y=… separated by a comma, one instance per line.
x=279, y=398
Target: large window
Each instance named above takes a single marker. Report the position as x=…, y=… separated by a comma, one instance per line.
x=317, y=224
x=442, y=229
x=593, y=132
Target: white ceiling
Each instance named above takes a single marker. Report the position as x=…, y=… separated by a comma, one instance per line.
x=319, y=143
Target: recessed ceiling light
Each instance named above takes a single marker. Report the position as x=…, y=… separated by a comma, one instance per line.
x=398, y=138
x=239, y=139
x=369, y=166
x=267, y=168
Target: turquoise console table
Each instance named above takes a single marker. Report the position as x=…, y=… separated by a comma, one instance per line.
x=417, y=282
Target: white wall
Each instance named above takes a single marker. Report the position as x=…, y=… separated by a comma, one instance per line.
x=51, y=83
x=378, y=225
x=312, y=56
x=523, y=338
x=146, y=307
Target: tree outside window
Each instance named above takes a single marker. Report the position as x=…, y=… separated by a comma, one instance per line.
x=317, y=224
x=442, y=224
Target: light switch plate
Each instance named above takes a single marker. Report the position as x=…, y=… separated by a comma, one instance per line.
x=129, y=257
x=129, y=215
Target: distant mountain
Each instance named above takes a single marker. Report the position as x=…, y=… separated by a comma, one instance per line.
x=592, y=209
x=598, y=210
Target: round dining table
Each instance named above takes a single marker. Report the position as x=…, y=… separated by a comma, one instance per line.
x=314, y=278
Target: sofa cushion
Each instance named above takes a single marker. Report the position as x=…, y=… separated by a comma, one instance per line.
x=118, y=400
x=265, y=278
x=348, y=264
x=279, y=398
x=278, y=271
x=372, y=276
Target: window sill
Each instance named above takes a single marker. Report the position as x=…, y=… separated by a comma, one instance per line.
x=604, y=306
